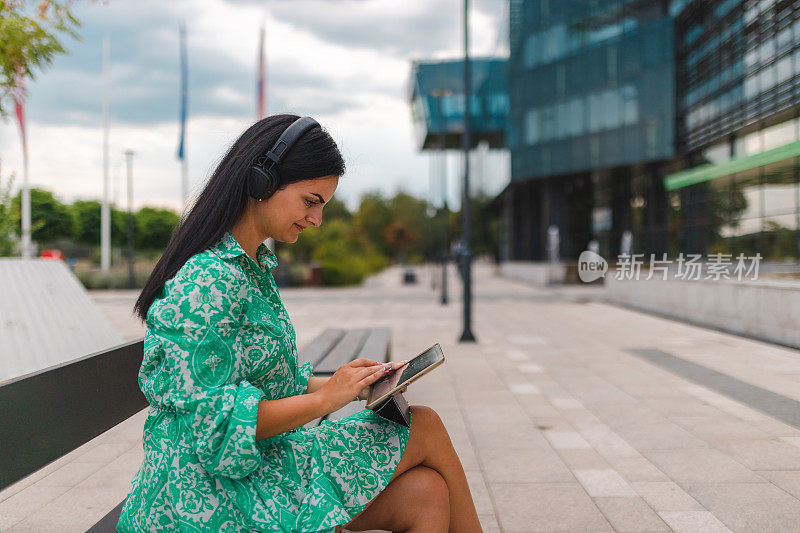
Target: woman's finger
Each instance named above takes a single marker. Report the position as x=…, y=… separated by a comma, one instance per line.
x=361, y=361
x=369, y=371
x=371, y=378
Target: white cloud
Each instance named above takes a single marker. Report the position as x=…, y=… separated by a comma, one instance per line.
x=347, y=63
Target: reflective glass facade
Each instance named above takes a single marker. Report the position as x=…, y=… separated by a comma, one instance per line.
x=738, y=68
x=591, y=85
x=668, y=126
x=437, y=100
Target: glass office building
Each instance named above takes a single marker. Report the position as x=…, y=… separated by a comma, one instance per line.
x=738, y=187
x=672, y=124
x=591, y=126
x=436, y=93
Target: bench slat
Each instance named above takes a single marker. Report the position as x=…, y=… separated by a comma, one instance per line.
x=318, y=349
x=377, y=345
x=341, y=354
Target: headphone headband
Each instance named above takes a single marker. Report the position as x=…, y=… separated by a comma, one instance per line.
x=289, y=137
x=263, y=181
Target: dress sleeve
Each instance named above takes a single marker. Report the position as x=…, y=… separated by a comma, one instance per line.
x=304, y=373
x=197, y=325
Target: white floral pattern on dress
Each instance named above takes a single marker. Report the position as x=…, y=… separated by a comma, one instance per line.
x=219, y=340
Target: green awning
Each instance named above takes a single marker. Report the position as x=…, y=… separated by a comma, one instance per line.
x=710, y=171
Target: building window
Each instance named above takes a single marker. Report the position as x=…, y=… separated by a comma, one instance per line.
x=751, y=58
x=630, y=105
x=577, y=119
x=532, y=127
x=766, y=51
x=784, y=37
x=767, y=77
x=779, y=135
x=784, y=69
x=651, y=136
x=751, y=87
x=595, y=112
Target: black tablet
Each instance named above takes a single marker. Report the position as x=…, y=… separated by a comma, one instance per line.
x=397, y=379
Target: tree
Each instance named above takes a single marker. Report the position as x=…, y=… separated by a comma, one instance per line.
x=7, y=244
x=372, y=218
x=335, y=209
x=50, y=219
x=399, y=238
x=86, y=215
x=30, y=41
x=154, y=227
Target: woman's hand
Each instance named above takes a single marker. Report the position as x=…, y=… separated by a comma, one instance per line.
x=352, y=381
x=364, y=394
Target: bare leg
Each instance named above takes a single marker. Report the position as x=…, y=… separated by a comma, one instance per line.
x=429, y=445
x=415, y=502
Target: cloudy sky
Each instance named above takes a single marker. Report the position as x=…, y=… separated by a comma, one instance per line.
x=344, y=62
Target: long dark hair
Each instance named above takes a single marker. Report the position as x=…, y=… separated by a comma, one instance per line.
x=224, y=198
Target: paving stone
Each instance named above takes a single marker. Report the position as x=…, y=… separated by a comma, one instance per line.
x=700, y=465
x=567, y=440
x=531, y=507
x=693, y=522
x=749, y=507
x=630, y=514
x=603, y=482
x=637, y=468
x=763, y=454
x=787, y=480
x=665, y=496
x=525, y=466
x=584, y=459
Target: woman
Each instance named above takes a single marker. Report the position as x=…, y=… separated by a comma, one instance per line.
x=224, y=443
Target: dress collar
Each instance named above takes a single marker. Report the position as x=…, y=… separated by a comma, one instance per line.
x=228, y=247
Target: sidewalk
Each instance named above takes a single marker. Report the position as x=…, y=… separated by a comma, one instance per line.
x=566, y=414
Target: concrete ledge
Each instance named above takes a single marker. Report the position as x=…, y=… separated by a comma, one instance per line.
x=764, y=310
x=536, y=273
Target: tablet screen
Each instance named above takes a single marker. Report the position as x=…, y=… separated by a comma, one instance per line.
x=416, y=366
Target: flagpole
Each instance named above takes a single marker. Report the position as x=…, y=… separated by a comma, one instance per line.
x=105, y=212
x=260, y=100
x=26, y=202
x=184, y=113
x=18, y=92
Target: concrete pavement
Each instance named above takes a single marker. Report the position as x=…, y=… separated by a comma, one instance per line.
x=561, y=422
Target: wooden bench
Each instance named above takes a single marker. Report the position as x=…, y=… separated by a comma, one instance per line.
x=327, y=352
x=335, y=347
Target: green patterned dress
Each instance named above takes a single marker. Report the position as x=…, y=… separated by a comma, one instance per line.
x=219, y=340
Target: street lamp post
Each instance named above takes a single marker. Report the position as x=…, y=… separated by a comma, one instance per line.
x=129, y=162
x=466, y=334
x=439, y=94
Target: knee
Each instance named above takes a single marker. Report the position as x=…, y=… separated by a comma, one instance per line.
x=430, y=487
x=423, y=415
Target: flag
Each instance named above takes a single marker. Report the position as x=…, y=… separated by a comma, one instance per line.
x=184, y=91
x=260, y=100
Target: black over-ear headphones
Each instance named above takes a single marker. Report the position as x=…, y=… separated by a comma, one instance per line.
x=265, y=178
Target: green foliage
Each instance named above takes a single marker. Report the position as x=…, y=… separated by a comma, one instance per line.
x=154, y=227
x=372, y=218
x=50, y=219
x=344, y=255
x=335, y=209
x=7, y=243
x=86, y=216
x=30, y=40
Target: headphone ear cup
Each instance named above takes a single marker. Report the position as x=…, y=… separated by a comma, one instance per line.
x=262, y=183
